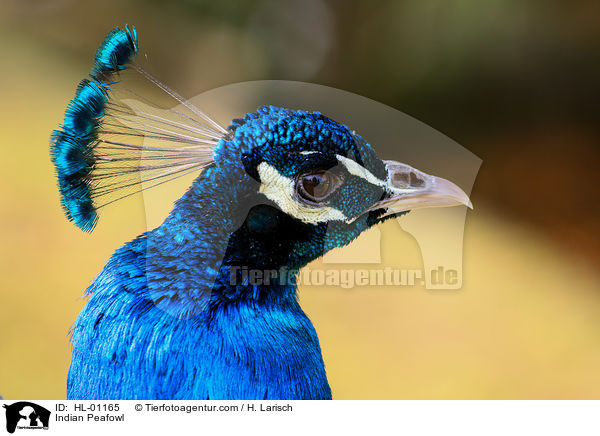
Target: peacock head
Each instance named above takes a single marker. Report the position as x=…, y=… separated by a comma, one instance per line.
x=307, y=184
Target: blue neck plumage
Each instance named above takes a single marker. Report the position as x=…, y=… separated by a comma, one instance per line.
x=201, y=334
x=229, y=241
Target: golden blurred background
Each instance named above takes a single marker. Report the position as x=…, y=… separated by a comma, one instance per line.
x=515, y=82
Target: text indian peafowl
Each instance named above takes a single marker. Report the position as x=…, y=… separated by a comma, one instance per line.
x=175, y=314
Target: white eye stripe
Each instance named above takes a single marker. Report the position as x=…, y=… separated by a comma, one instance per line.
x=282, y=191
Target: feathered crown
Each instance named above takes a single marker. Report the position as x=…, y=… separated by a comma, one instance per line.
x=97, y=152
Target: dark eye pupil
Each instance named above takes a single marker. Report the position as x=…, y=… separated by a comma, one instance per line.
x=316, y=185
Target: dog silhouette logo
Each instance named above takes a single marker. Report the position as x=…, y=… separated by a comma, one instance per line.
x=26, y=415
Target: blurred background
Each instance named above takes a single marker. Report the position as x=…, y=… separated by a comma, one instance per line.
x=515, y=82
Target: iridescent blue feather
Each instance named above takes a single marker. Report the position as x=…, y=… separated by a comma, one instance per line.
x=115, y=53
x=72, y=147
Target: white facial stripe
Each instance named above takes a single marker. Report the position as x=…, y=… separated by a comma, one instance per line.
x=281, y=190
x=360, y=171
x=308, y=152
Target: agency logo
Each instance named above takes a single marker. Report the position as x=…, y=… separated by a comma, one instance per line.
x=26, y=415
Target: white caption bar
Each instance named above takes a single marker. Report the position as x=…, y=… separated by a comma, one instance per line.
x=300, y=417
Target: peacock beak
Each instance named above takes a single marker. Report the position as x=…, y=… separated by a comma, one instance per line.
x=409, y=189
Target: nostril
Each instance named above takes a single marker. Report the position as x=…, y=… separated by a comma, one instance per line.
x=416, y=181
x=400, y=178
x=407, y=178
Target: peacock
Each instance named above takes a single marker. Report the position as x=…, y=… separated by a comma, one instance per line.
x=205, y=305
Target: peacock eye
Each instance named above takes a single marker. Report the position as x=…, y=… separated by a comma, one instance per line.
x=315, y=187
